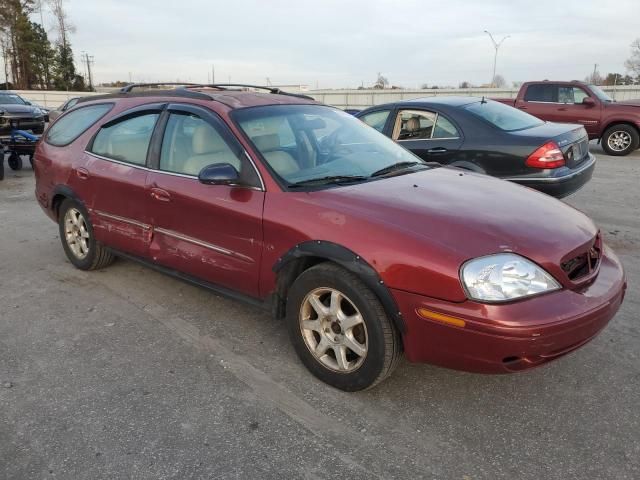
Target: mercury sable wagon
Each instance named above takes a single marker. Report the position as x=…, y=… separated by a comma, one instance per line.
x=366, y=250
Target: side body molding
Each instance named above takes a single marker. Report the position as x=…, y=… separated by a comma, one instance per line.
x=349, y=260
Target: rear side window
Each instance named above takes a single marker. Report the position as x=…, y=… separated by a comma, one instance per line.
x=74, y=124
x=541, y=93
x=376, y=120
x=502, y=116
x=127, y=140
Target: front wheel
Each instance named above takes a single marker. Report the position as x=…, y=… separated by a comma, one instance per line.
x=620, y=140
x=340, y=330
x=78, y=241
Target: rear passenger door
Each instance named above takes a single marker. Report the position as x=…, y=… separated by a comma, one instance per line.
x=212, y=232
x=428, y=134
x=115, y=174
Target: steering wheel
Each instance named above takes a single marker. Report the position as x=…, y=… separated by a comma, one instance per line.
x=332, y=145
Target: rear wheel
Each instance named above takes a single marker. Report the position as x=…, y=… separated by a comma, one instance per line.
x=78, y=241
x=15, y=162
x=1, y=165
x=340, y=330
x=619, y=140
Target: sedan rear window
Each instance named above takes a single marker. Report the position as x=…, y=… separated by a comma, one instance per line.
x=503, y=116
x=75, y=123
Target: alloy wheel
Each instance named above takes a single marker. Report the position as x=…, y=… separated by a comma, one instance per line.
x=333, y=330
x=76, y=233
x=619, y=141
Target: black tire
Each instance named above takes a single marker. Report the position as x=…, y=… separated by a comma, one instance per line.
x=1, y=166
x=97, y=255
x=626, y=131
x=15, y=161
x=382, y=339
x=31, y=160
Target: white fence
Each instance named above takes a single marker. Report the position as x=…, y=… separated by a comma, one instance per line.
x=353, y=98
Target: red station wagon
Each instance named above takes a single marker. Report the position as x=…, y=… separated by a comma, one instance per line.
x=364, y=248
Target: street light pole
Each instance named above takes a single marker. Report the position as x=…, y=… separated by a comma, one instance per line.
x=496, y=45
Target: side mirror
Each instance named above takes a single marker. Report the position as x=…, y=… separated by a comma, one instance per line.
x=588, y=102
x=26, y=102
x=219, y=174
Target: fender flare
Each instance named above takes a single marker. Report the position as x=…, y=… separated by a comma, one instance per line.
x=66, y=192
x=350, y=261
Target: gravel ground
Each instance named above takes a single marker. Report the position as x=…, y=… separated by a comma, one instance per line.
x=126, y=373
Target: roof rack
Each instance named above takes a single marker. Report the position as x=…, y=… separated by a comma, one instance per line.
x=223, y=86
x=128, y=88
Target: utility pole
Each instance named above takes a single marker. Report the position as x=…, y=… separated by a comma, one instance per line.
x=88, y=61
x=496, y=45
x=213, y=74
x=595, y=70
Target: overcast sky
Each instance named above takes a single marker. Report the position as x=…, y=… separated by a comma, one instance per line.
x=341, y=43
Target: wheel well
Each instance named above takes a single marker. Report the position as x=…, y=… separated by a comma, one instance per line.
x=305, y=255
x=614, y=123
x=56, y=202
x=286, y=276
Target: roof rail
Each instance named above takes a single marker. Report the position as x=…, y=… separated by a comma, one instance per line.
x=223, y=86
x=128, y=88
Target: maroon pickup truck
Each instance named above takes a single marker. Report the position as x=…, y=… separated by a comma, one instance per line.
x=615, y=124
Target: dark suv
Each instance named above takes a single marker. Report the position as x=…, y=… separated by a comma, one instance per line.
x=303, y=209
x=16, y=112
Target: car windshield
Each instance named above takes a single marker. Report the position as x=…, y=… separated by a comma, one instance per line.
x=600, y=94
x=11, y=99
x=503, y=116
x=309, y=143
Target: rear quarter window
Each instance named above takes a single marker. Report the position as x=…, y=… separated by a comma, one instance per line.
x=75, y=123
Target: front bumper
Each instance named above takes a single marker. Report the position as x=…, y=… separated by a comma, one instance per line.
x=561, y=183
x=515, y=336
x=34, y=124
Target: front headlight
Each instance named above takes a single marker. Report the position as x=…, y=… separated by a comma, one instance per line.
x=503, y=277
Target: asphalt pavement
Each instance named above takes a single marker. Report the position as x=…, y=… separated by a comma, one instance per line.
x=127, y=373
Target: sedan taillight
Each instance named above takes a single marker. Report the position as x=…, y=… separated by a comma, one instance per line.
x=548, y=155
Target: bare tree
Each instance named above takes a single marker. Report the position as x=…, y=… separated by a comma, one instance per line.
x=381, y=82
x=499, y=81
x=63, y=24
x=633, y=63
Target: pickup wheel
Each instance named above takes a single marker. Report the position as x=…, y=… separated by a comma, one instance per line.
x=15, y=162
x=78, y=241
x=340, y=330
x=1, y=165
x=619, y=140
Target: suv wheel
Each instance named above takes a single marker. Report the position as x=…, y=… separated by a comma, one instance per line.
x=78, y=241
x=619, y=140
x=340, y=330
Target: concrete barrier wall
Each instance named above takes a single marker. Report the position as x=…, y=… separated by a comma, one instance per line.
x=50, y=99
x=351, y=98
x=367, y=98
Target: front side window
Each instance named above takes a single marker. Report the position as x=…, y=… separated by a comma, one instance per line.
x=70, y=104
x=72, y=125
x=303, y=143
x=190, y=143
x=127, y=140
x=377, y=119
x=414, y=125
x=503, y=116
x=571, y=95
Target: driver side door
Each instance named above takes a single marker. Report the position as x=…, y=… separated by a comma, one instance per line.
x=212, y=232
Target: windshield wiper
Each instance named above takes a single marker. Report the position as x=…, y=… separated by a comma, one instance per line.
x=394, y=167
x=331, y=179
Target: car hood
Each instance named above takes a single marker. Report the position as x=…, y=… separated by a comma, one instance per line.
x=624, y=105
x=468, y=215
x=22, y=110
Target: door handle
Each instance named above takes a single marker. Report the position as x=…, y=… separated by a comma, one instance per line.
x=563, y=109
x=82, y=173
x=522, y=107
x=437, y=150
x=160, y=194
